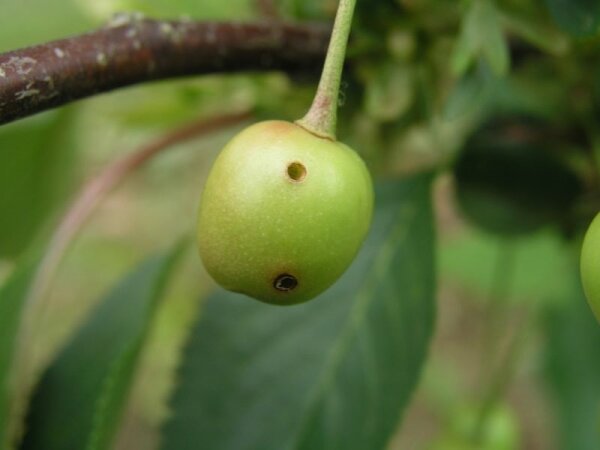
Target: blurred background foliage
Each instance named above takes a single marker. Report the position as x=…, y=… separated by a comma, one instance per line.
x=499, y=98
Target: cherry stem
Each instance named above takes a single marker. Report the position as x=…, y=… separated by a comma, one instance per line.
x=321, y=119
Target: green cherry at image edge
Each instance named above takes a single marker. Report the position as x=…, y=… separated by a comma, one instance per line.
x=286, y=207
x=590, y=266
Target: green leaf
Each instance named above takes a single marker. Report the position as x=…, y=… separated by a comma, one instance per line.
x=578, y=17
x=12, y=298
x=481, y=35
x=312, y=9
x=470, y=94
x=390, y=92
x=334, y=373
x=572, y=338
x=87, y=384
x=538, y=263
x=538, y=31
x=36, y=160
x=21, y=26
x=205, y=10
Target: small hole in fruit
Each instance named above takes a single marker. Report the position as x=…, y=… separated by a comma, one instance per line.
x=296, y=171
x=285, y=282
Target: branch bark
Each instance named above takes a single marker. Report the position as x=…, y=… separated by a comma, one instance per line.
x=133, y=50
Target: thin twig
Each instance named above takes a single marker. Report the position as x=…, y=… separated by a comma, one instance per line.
x=91, y=195
x=504, y=372
x=498, y=368
x=134, y=50
x=107, y=180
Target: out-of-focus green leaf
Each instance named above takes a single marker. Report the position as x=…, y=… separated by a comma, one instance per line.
x=157, y=106
x=206, y=10
x=578, y=17
x=500, y=430
x=470, y=94
x=312, y=9
x=12, y=297
x=538, y=263
x=334, y=373
x=528, y=94
x=537, y=32
x=390, y=92
x=542, y=190
x=573, y=369
x=481, y=35
x=80, y=398
x=24, y=23
x=36, y=165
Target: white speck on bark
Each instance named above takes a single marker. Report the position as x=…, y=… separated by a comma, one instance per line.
x=166, y=28
x=50, y=82
x=26, y=93
x=124, y=18
x=49, y=96
x=101, y=59
x=59, y=53
x=21, y=65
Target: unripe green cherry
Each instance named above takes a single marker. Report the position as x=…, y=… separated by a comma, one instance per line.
x=283, y=213
x=590, y=265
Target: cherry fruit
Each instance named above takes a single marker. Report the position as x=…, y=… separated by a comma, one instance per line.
x=283, y=213
x=590, y=265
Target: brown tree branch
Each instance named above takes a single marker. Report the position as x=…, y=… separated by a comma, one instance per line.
x=133, y=50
